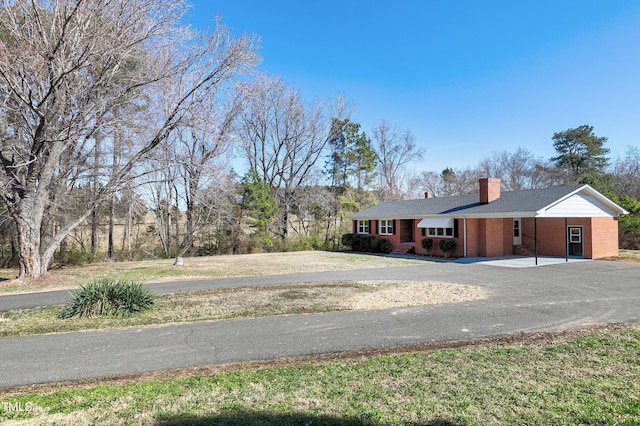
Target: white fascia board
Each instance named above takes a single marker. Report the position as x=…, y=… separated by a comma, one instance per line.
x=605, y=200
x=385, y=217
x=588, y=190
x=502, y=215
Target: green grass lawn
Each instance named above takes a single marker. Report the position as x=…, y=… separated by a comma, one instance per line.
x=592, y=378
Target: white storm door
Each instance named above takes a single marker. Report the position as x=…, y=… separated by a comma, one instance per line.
x=517, y=232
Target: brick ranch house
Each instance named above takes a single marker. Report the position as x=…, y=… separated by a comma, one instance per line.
x=563, y=221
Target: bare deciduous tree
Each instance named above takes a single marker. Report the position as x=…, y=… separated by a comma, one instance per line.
x=518, y=170
x=282, y=139
x=203, y=145
x=65, y=67
x=394, y=151
x=626, y=174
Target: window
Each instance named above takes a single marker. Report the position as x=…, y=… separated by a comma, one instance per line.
x=386, y=227
x=575, y=235
x=440, y=232
x=363, y=227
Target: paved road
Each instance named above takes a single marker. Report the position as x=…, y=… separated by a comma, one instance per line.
x=530, y=299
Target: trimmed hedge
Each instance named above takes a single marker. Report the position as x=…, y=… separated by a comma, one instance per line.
x=366, y=243
x=427, y=244
x=446, y=246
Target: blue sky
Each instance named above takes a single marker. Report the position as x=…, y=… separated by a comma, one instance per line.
x=467, y=77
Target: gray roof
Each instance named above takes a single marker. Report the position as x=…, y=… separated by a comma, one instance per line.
x=523, y=203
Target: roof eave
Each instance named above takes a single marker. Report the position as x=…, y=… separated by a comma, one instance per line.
x=591, y=192
x=455, y=215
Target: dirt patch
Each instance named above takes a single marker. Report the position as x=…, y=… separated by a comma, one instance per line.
x=393, y=294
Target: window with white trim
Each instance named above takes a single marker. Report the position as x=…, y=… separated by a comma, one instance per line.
x=386, y=227
x=440, y=232
x=575, y=235
x=363, y=227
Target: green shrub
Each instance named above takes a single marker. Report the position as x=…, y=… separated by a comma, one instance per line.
x=384, y=246
x=427, y=244
x=348, y=239
x=446, y=246
x=366, y=243
x=106, y=297
x=305, y=242
x=375, y=244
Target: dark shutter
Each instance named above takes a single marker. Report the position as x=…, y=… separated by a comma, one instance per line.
x=355, y=226
x=393, y=227
x=423, y=232
x=370, y=226
x=455, y=228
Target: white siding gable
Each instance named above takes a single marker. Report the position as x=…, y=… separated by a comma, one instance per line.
x=577, y=205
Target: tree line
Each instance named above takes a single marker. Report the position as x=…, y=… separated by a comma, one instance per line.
x=115, y=111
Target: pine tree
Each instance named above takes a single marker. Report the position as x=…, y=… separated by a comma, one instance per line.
x=580, y=152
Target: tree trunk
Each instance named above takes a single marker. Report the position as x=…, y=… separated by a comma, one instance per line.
x=96, y=188
x=112, y=213
x=28, y=218
x=188, y=240
x=29, y=249
x=285, y=222
x=129, y=229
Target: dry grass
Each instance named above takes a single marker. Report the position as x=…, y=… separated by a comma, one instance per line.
x=233, y=303
x=629, y=256
x=64, y=277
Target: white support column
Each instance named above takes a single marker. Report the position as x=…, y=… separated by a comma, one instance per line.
x=464, y=232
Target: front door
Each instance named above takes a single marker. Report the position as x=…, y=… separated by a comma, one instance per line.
x=517, y=232
x=574, y=241
x=406, y=231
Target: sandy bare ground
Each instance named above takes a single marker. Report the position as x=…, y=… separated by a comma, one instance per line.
x=394, y=294
x=317, y=297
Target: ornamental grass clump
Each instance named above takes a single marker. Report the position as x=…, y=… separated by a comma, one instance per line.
x=107, y=297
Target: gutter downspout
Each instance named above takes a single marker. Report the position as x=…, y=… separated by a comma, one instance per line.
x=566, y=241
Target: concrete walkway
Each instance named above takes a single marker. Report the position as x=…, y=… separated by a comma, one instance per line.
x=519, y=261
x=522, y=300
x=511, y=261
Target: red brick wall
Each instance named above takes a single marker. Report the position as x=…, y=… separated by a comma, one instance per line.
x=507, y=236
x=393, y=239
x=493, y=237
x=526, y=226
x=551, y=234
x=473, y=233
x=435, y=251
x=604, y=237
x=599, y=236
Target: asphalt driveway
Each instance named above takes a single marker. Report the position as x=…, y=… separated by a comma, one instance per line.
x=523, y=300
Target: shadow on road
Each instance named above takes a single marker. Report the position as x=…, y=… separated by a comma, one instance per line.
x=255, y=418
